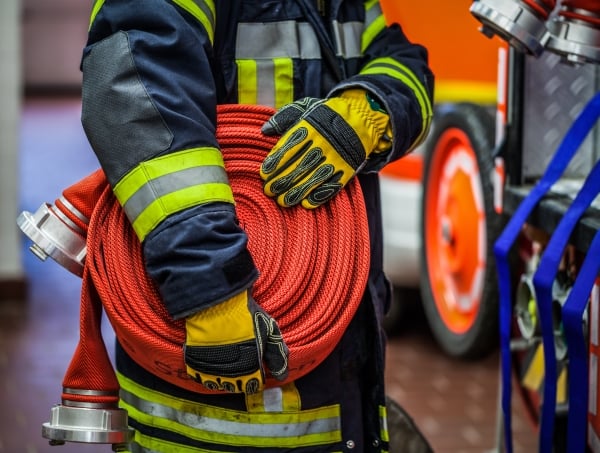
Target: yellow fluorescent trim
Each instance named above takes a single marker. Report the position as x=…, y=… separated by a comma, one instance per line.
x=247, y=83
x=484, y=93
x=207, y=22
x=97, y=6
x=284, y=81
x=196, y=433
x=173, y=202
x=371, y=32
x=170, y=163
x=221, y=413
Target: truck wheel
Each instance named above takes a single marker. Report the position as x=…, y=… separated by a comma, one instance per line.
x=458, y=230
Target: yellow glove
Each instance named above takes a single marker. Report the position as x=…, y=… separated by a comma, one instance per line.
x=325, y=143
x=228, y=346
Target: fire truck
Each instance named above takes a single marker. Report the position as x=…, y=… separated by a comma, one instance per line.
x=509, y=215
x=438, y=207
x=503, y=239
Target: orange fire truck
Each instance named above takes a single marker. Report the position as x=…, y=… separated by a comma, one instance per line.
x=509, y=214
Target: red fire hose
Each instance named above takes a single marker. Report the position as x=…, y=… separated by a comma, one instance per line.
x=313, y=270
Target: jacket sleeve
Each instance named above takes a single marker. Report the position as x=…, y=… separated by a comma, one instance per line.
x=149, y=112
x=396, y=72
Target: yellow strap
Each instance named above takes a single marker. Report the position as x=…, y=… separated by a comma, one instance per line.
x=160, y=187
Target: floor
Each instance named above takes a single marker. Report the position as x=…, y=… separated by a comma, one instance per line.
x=454, y=403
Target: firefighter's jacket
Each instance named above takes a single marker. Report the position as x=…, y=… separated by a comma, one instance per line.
x=153, y=73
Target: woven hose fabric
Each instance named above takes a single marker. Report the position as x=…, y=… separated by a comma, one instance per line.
x=313, y=264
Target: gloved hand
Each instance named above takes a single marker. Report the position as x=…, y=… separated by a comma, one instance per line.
x=227, y=344
x=325, y=143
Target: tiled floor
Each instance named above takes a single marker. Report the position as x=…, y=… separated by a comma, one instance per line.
x=453, y=402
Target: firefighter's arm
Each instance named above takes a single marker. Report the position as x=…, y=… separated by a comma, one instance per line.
x=364, y=122
x=149, y=112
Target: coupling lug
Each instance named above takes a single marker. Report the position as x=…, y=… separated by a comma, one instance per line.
x=53, y=238
x=88, y=425
x=513, y=22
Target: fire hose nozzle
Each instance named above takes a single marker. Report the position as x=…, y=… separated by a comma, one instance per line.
x=514, y=22
x=90, y=425
x=54, y=236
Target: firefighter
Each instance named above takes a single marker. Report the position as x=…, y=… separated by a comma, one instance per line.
x=352, y=95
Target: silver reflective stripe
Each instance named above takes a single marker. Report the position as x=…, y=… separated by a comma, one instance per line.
x=348, y=38
x=172, y=182
x=273, y=399
x=202, y=422
x=372, y=14
x=265, y=81
x=259, y=41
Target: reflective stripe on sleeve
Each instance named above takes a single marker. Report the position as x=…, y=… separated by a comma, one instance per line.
x=220, y=426
x=390, y=67
x=374, y=23
x=203, y=11
x=160, y=187
x=97, y=6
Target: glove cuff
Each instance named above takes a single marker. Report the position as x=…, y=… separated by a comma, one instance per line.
x=377, y=121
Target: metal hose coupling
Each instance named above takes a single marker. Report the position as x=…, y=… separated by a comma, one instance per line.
x=521, y=23
x=87, y=422
x=54, y=235
x=575, y=32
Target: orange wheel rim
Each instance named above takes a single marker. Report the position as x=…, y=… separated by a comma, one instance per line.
x=455, y=231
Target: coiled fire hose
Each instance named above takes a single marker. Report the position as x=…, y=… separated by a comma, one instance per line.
x=313, y=268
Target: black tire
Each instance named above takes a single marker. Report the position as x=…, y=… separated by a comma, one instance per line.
x=458, y=128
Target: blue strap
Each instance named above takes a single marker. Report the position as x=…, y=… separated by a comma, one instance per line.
x=565, y=152
x=543, y=280
x=572, y=315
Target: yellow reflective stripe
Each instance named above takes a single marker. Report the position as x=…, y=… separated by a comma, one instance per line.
x=203, y=11
x=223, y=426
x=154, y=444
x=247, y=93
x=97, y=6
x=390, y=67
x=284, y=81
x=374, y=24
x=160, y=187
x=383, y=423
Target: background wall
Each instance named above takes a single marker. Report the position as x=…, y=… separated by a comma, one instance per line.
x=11, y=272
x=54, y=34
